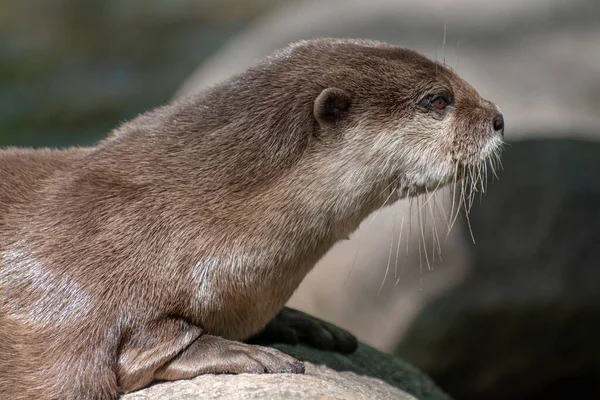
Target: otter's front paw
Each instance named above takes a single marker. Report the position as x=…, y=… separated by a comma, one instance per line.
x=215, y=355
x=292, y=327
x=253, y=359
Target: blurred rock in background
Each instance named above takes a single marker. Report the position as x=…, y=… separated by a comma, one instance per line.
x=524, y=323
x=514, y=315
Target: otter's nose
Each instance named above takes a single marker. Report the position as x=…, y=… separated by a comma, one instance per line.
x=499, y=124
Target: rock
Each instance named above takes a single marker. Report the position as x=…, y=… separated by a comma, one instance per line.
x=317, y=383
x=524, y=324
x=366, y=374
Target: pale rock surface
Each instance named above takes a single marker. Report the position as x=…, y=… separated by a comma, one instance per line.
x=318, y=383
x=364, y=375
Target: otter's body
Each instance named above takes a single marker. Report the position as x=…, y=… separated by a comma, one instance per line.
x=137, y=259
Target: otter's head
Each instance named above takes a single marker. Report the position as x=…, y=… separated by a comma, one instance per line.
x=410, y=122
x=339, y=125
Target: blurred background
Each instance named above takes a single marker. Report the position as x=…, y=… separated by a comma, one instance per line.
x=515, y=315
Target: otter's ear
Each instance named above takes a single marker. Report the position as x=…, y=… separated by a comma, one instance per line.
x=330, y=106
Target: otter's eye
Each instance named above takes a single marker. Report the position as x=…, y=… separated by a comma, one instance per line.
x=439, y=103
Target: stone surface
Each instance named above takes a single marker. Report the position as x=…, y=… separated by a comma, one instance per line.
x=366, y=374
x=317, y=383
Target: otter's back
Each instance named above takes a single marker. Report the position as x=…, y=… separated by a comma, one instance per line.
x=24, y=171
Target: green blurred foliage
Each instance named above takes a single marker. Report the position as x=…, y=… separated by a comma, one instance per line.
x=71, y=70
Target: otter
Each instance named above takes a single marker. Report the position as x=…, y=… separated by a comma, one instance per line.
x=154, y=254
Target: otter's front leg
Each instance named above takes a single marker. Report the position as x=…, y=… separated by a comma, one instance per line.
x=181, y=351
x=292, y=327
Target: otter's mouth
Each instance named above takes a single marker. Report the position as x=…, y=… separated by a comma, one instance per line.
x=472, y=178
x=477, y=167
x=467, y=175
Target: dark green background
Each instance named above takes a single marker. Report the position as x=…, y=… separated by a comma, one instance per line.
x=70, y=71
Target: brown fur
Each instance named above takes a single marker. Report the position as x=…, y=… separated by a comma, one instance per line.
x=202, y=217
